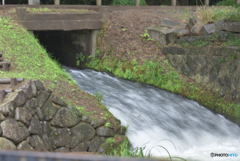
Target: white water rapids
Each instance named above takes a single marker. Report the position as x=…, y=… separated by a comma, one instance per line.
x=158, y=118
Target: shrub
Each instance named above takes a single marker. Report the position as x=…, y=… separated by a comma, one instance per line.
x=227, y=3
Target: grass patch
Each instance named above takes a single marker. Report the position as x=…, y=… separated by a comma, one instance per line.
x=233, y=41
x=159, y=74
x=29, y=60
x=214, y=14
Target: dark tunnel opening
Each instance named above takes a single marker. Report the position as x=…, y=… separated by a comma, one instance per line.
x=67, y=47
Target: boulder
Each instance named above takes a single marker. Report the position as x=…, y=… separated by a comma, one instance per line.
x=62, y=149
x=228, y=26
x=66, y=117
x=181, y=32
x=191, y=22
x=2, y=117
x=163, y=35
x=196, y=29
x=82, y=132
x=35, y=126
x=208, y=29
x=18, y=98
x=169, y=23
x=39, y=85
x=97, y=122
x=6, y=144
x=43, y=97
x=40, y=113
x=23, y=115
x=95, y=144
x=105, y=131
x=29, y=91
x=25, y=146
x=58, y=101
x=14, y=130
x=61, y=137
x=33, y=88
x=48, y=111
x=80, y=147
x=31, y=104
x=37, y=143
x=7, y=109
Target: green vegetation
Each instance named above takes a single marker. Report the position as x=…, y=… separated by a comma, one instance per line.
x=127, y=2
x=233, y=41
x=213, y=14
x=197, y=43
x=227, y=3
x=161, y=74
x=146, y=36
x=99, y=96
x=117, y=146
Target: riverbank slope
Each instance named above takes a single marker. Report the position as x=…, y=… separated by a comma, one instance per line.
x=125, y=49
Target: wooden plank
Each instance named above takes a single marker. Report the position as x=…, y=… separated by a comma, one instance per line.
x=8, y=80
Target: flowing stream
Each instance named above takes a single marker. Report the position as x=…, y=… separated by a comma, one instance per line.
x=157, y=119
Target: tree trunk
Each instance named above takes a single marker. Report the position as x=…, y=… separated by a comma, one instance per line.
x=238, y=1
x=3, y=2
x=137, y=2
x=33, y=2
x=174, y=2
x=99, y=2
x=57, y=2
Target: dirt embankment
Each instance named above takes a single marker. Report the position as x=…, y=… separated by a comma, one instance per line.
x=124, y=30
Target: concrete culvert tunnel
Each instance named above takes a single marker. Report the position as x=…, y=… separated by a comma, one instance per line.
x=67, y=47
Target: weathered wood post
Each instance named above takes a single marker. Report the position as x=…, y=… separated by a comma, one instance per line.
x=174, y=2
x=99, y=2
x=57, y=2
x=206, y=2
x=137, y=2
x=33, y=2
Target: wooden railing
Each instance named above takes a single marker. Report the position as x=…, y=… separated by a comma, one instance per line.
x=41, y=156
x=99, y=2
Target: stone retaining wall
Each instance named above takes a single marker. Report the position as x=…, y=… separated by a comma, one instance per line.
x=217, y=68
x=33, y=118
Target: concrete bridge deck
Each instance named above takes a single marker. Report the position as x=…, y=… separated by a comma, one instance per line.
x=59, y=19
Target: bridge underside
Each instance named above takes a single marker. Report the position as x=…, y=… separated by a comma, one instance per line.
x=59, y=19
x=67, y=47
x=67, y=34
